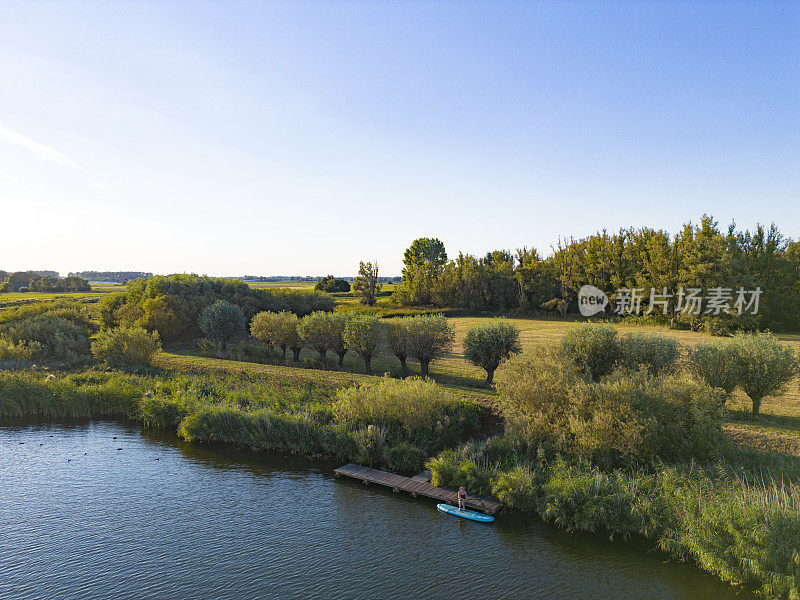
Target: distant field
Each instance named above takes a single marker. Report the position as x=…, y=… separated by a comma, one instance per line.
x=97, y=288
x=260, y=285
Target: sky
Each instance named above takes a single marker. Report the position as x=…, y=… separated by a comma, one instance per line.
x=298, y=138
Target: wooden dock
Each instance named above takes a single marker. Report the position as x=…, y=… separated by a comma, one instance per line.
x=418, y=485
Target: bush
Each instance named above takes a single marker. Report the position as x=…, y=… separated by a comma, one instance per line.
x=430, y=336
x=594, y=348
x=716, y=365
x=126, y=347
x=222, y=322
x=654, y=352
x=9, y=351
x=717, y=327
x=764, y=365
x=363, y=337
x=487, y=344
x=404, y=458
x=417, y=409
x=56, y=339
x=623, y=420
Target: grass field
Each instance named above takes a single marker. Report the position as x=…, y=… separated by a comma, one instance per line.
x=778, y=429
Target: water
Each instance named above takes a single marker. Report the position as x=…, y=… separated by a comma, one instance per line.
x=85, y=516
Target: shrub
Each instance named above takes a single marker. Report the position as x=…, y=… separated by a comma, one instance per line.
x=417, y=408
x=222, y=322
x=487, y=344
x=626, y=419
x=126, y=346
x=654, y=352
x=764, y=365
x=716, y=365
x=594, y=348
x=404, y=458
x=56, y=339
x=430, y=336
x=9, y=351
x=5, y=286
x=363, y=337
x=24, y=288
x=717, y=327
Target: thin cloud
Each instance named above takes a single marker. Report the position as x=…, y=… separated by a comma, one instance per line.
x=45, y=152
x=51, y=155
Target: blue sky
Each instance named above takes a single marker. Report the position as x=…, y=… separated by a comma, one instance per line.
x=300, y=138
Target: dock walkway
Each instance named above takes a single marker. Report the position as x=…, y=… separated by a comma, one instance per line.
x=417, y=485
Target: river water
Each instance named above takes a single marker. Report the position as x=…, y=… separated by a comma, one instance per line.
x=100, y=510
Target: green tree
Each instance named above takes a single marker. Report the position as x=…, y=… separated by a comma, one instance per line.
x=222, y=322
x=398, y=340
x=278, y=330
x=337, y=323
x=765, y=365
x=486, y=344
x=423, y=261
x=364, y=338
x=366, y=286
x=314, y=330
x=430, y=336
x=330, y=285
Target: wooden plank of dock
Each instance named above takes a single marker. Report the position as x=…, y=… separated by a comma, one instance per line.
x=417, y=485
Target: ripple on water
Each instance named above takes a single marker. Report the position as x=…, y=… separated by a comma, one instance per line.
x=83, y=520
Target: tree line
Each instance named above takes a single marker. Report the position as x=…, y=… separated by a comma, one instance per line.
x=41, y=281
x=698, y=256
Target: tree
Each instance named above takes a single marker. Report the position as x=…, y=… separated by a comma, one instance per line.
x=363, y=337
x=330, y=284
x=19, y=279
x=337, y=323
x=398, y=339
x=430, y=336
x=423, y=262
x=314, y=330
x=487, y=344
x=277, y=329
x=366, y=284
x=222, y=322
x=716, y=364
x=765, y=366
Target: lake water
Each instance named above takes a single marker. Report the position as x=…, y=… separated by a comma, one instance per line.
x=103, y=511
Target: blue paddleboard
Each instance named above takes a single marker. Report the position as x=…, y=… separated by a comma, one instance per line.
x=466, y=514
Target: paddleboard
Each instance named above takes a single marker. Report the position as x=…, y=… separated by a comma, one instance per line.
x=466, y=514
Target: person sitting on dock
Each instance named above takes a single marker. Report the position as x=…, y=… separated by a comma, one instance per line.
x=462, y=498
